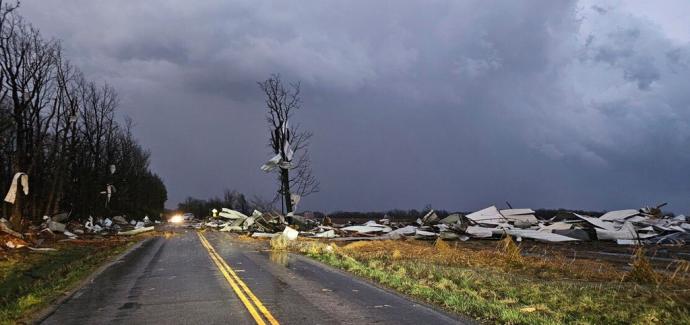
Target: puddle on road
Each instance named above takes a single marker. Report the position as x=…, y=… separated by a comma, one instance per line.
x=280, y=258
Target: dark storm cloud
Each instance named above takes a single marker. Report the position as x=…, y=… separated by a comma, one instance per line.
x=455, y=103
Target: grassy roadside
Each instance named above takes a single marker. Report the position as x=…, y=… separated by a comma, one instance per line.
x=501, y=286
x=30, y=281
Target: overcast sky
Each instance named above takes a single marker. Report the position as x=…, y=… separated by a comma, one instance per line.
x=458, y=104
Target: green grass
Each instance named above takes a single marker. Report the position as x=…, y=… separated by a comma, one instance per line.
x=30, y=281
x=511, y=292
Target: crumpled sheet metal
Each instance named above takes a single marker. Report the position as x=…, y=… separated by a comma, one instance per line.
x=490, y=215
x=619, y=215
x=5, y=227
x=539, y=235
x=136, y=231
x=231, y=214
x=18, y=178
x=623, y=226
x=367, y=229
x=597, y=223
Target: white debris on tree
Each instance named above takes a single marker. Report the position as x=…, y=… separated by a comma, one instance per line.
x=19, y=178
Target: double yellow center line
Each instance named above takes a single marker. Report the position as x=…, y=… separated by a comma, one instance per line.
x=250, y=301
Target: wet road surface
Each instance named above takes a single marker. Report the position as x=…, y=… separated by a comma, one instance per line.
x=182, y=280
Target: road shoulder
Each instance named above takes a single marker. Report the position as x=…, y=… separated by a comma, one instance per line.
x=45, y=312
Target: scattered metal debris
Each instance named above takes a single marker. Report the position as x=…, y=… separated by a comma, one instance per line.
x=59, y=227
x=626, y=227
x=136, y=231
x=5, y=227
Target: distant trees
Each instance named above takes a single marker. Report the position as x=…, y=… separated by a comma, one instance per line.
x=231, y=200
x=288, y=143
x=395, y=215
x=61, y=130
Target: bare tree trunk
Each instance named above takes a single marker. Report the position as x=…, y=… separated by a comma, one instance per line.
x=58, y=197
x=19, y=164
x=18, y=207
x=285, y=180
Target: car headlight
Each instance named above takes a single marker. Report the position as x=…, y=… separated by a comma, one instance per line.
x=176, y=219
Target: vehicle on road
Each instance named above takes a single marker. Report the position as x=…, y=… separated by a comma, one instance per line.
x=181, y=218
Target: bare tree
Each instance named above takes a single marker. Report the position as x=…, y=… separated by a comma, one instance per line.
x=261, y=204
x=61, y=130
x=287, y=141
x=27, y=65
x=302, y=181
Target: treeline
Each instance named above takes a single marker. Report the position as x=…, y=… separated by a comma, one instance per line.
x=410, y=215
x=393, y=215
x=231, y=199
x=237, y=201
x=61, y=130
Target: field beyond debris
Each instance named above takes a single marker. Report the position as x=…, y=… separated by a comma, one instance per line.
x=30, y=281
x=502, y=284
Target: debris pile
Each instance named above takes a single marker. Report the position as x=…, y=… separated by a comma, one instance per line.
x=231, y=220
x=625, y=227
x=61, y=227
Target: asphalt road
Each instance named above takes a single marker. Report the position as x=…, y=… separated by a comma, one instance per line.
x=183, y=280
